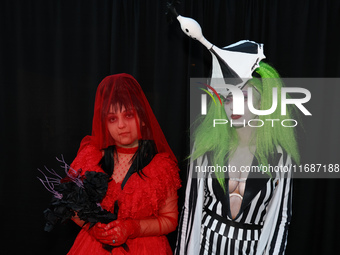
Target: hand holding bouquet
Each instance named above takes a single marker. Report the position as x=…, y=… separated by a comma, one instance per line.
x=79, y=195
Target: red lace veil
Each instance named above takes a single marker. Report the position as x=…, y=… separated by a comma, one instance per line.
x=124, y=90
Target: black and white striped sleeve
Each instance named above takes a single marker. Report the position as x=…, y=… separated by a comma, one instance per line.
x=278, y=242
x=185, y=223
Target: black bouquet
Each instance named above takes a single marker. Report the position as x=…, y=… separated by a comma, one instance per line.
x=77, y=194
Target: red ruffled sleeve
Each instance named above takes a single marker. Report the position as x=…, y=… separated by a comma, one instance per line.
x=165, y=174
x=153, y=199
x=87, y=159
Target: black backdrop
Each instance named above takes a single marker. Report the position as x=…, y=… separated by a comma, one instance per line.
x=53, y=54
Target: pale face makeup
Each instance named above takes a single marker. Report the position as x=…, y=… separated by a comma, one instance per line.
x=239, y=120
x=122, y=126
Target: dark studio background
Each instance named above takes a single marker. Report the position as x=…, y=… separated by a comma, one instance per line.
x=53, y=54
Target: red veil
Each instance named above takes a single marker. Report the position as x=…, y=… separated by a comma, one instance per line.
x=124, y=90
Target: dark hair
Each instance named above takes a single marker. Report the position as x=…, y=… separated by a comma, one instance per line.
x=128, y=96
x=121, y=96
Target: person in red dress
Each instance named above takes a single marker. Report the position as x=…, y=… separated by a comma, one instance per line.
x=128, y=144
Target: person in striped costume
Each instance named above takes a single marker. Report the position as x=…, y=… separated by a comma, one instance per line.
x=233, y=205
x=246, y=209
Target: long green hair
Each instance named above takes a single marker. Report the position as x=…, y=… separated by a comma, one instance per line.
x=222, y=140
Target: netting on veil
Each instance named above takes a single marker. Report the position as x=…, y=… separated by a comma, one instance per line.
x=122, y=90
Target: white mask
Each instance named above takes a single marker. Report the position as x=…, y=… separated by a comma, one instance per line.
x=242, y=120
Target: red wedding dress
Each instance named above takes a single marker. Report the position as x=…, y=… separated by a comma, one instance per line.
x=140, y=199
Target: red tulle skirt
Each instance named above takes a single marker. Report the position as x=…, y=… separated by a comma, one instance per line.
x=86, y=244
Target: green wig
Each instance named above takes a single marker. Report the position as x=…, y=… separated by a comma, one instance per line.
x=222, y=140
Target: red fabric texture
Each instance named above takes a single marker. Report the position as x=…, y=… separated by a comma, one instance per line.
x=151, y=200
x=123, y=90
